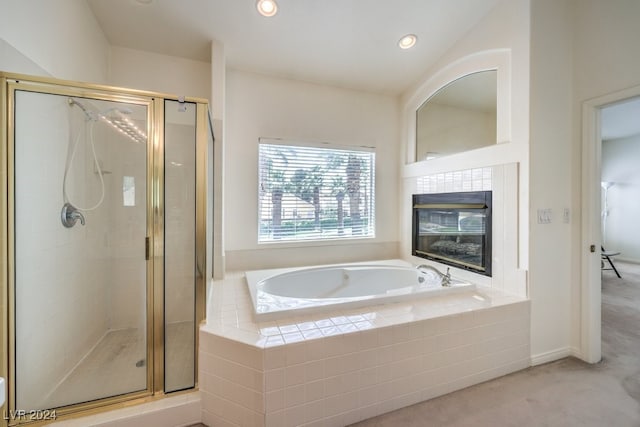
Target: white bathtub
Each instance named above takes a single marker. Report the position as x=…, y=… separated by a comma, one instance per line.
x=295, y=291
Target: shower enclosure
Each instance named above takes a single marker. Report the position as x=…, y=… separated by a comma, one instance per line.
x=103, y=231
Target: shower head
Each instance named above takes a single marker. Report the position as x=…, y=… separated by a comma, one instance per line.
x=95, y=115
x=118, y=121
x=121, y=110
x=123, y=124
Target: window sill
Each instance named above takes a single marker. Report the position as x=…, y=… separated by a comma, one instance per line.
x=314, y=243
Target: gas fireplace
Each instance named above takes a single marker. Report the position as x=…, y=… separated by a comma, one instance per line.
x=454, y=229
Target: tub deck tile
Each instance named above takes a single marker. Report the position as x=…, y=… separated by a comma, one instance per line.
x=343, y=366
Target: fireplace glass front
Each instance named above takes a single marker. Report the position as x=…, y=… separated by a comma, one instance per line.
x=454, y=229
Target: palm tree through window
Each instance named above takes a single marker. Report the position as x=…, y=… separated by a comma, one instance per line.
x=302, y=193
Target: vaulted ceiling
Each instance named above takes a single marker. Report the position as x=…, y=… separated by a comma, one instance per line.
x=346, y=43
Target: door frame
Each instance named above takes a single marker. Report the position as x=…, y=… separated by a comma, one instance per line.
x=591, y=299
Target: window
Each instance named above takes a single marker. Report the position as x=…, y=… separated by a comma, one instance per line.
x=310, y=193
x=128, y=191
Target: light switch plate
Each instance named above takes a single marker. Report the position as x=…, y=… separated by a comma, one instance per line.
x=544, y=216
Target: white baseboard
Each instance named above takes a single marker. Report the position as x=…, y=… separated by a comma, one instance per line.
x=578, y=354
x=550, y=356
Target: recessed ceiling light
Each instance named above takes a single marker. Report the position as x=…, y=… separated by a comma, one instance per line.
x=408, y=41
x=267, y=7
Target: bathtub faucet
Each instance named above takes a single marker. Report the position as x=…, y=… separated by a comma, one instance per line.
x=445, y=279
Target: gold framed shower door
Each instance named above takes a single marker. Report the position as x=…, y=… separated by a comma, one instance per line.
x=154, y=103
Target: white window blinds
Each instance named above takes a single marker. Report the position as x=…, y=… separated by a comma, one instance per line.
x=310, y=193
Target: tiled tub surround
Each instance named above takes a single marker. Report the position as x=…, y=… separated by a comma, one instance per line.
x=333, y=369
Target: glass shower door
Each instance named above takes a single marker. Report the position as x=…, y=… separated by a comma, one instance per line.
x=80, y=223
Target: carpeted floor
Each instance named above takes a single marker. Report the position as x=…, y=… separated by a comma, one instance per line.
x=564, y=393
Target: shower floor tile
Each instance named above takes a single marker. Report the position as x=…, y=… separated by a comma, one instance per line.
x=108, y=370
x=118, y=365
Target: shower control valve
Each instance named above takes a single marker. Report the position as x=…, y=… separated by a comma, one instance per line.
x=70, y=215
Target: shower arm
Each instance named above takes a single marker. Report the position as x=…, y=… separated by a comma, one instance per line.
x=89, y=114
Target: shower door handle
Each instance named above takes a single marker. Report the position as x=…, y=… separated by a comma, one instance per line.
x=146, y=248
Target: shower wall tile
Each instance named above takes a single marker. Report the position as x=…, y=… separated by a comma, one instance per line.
x=126, y=233
x=61, y=274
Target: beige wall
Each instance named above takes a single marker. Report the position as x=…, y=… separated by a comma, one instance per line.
x=591, y=45
x=505, y=27
x=62, y=37
x=259, y=106
x=551, y=163
x=500, y=41
x=15, y=61
x=142, y=70
x=605, y=60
